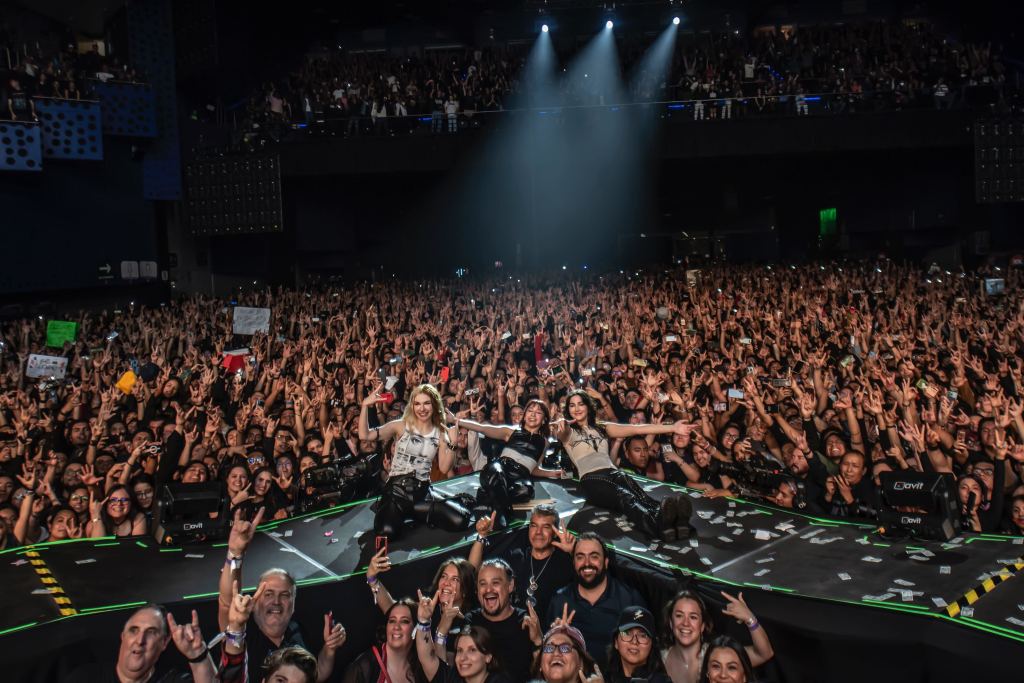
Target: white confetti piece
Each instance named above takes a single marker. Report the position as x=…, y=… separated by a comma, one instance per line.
x=764, y=560
x=288, y=533
x=1015, y=621
x=725, y=539
x=812, y=533
x=762, y=535
x=693, y=542
x=844, y=576
x=87, y=560
x=762, y=572
x=195, y=556
x=939, y=602
x=902, y=582
x=944, y=569
x=869, y=558
x=967, y=611
x=706, y=560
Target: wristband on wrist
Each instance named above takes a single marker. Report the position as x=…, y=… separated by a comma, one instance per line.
x=440, y=638
x=200, y=657
x=370, y=580
x=753, y=624
x=423, y=626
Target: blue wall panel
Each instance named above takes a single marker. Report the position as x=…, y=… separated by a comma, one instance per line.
x=128, y=109
x=71, y=129
x=20, y=146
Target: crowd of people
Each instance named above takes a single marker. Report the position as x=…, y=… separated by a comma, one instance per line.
x=50, y=66
x=849, y=67
x=834, y=373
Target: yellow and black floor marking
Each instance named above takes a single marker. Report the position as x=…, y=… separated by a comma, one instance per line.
x=49, y=582
x=972, y=596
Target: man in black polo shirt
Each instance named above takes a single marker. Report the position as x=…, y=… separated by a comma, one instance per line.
x=596, y=598
x=515, y=633
x=542, y=563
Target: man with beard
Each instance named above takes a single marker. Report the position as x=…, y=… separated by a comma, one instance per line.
x=514, y=632
x=594, y=601
x=542, y=563
x=271, y=626
x=145, y=636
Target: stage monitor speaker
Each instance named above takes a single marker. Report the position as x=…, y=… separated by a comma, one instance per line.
x=921, y=504
x=183, y=512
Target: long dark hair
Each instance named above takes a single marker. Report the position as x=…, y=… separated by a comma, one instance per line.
x=668, y=634
x=108, y=522
x=545, y=427
x=412, y=659
x=730, y=643
x=482, y=639
x=588, y=401
x=467, y=580
x=652, y=665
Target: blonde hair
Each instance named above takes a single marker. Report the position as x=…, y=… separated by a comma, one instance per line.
x=437, y=419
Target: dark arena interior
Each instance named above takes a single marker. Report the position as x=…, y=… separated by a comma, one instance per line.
x=561, y=341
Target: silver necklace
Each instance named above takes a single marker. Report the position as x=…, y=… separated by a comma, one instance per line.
x=531, y=590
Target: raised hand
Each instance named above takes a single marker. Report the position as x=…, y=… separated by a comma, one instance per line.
x=334, y=635
x=242, y=532
x=187, y=637
x=425, y=605
x=378, y=563
x=241, y=606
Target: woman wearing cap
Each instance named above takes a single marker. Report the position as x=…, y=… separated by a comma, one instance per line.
x=688, y=628
x=605, y=485
x=563, y=658
x=632, y=653
x=726, y=661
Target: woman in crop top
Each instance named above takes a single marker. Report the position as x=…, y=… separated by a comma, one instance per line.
x=422, y=437
x=604, y=485
x=506, y=479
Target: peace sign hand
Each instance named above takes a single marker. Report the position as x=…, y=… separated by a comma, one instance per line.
x=566, y=618
x=531, y=624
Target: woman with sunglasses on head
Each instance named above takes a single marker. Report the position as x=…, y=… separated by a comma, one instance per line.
x=586, y=441
x=688, y=627
x=506, y=479
x=632, y=653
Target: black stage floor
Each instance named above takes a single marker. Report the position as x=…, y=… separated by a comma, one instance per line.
x=737, y=544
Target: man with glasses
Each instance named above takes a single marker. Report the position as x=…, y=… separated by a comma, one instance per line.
x=594, y=601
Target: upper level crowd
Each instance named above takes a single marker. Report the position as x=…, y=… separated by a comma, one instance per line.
x=848, y=67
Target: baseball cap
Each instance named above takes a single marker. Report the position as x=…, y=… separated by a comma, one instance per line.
x=636, y=617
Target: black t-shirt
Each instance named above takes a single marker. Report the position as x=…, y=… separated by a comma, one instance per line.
x=511, y=641
x=259, y=646
x=107, y=673
x=550, y=574
x=448, y=674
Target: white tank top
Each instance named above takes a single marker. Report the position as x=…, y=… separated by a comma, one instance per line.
x=414, y=454
x=588, y=450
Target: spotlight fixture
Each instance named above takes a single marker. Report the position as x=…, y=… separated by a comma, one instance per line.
x=544, y=28
x=608, y=24
x=675, y=21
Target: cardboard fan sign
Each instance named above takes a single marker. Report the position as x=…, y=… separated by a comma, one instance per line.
x=249, y=321
x=46, y=366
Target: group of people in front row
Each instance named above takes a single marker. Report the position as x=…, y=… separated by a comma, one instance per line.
x=546, y=609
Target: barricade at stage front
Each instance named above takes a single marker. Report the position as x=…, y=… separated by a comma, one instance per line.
x=838, y=601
